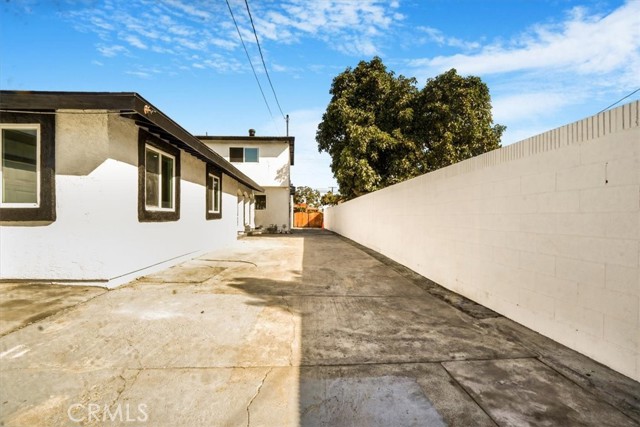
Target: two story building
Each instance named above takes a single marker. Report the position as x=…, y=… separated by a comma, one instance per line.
x=267, y=160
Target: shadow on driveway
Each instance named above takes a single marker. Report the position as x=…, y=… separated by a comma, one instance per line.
x=306, y=330
x=24, y=303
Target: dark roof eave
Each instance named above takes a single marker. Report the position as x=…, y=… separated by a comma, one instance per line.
x=126, y=102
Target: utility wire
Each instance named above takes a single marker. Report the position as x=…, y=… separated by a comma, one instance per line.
x=618, y=101
x=249, y=58
x=246, y=2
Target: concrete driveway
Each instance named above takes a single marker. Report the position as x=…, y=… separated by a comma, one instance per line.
x=307, y=329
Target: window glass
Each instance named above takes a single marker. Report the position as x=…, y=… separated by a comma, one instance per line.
x=261, y=202
x=251, y=155
x=216, y=194
x=152, y=178
x=210, y=202
x=236, y=154
x=167, y=182
x=158, y=179
x=20, y=166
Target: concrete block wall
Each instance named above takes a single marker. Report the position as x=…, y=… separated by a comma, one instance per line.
x=545, y=231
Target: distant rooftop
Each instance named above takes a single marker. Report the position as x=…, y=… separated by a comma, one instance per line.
x=253, y=139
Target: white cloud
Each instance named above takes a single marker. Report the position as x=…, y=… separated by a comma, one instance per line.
x=141, y=74
x=111, y=51
x=188, y=8
x=544, y=74
x=181, y=27
x=135, y=41
x=436, y=36
x=522, y=106
x=582, y=44
x=351, y=27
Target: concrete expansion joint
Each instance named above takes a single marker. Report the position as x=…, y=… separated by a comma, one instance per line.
x=295, y=332
x=601, y=394
x=415, y=362
x=239, y=261
x=469, y=395
x=256, y=395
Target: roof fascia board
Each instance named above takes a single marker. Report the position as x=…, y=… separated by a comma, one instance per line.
x=121, y=101
x=29, y=100
x=158, y=118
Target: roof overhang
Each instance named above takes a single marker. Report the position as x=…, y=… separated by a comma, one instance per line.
x=254, y=139
x=130, y=105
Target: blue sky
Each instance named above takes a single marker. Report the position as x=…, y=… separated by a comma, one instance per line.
x=547, y=62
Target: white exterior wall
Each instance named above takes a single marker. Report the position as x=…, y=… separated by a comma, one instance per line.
x=277, y=211
x=545, y=231
x=272, y=172
x=272, y=168
x=97, y=236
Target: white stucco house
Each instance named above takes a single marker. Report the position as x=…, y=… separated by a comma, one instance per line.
x=104, y=187
x=268, y=161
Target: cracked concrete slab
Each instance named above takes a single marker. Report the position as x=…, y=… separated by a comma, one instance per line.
x=132, y=332
x=42, y=397
x=297, y=330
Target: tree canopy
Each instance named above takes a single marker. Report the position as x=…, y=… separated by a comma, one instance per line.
x=307, y=195
x=380, y=129
x=330, y=199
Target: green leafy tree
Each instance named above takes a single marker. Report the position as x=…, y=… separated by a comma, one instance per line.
x=307, y=195
x=453, y=120
x=363, y=128
x=330, y=199
x=379, y=129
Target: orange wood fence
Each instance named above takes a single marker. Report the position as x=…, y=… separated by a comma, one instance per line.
x=307, y=219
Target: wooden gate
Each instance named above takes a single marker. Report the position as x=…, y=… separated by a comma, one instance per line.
x=307, y=219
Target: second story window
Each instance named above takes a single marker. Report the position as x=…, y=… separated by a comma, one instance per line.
x=243, y=155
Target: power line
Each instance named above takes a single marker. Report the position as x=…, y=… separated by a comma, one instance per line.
x=250, y=63
x=262, y=57
x=618, y=101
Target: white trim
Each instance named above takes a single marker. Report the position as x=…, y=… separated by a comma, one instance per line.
x=213, y=195
x=173, y=180
x=35, y=126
